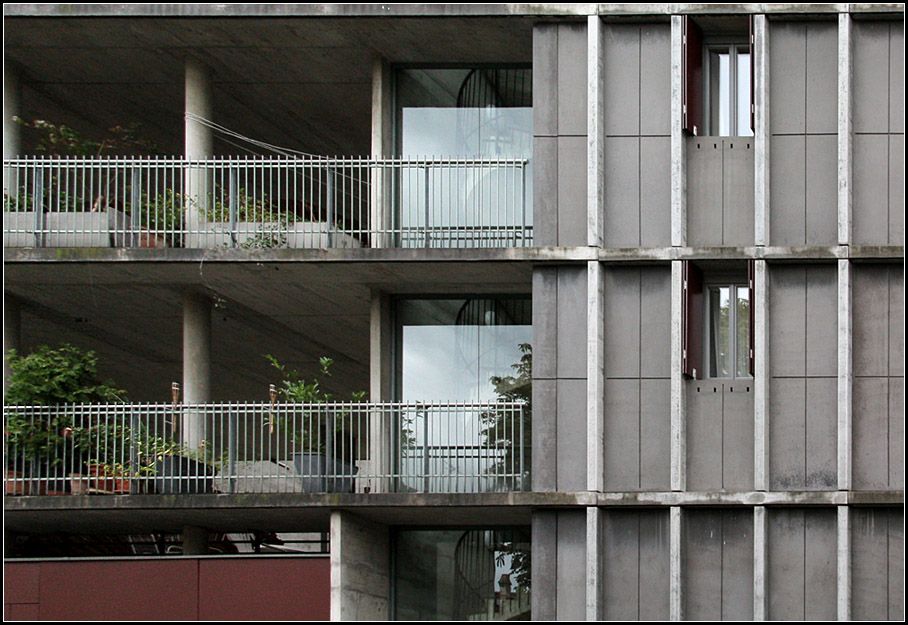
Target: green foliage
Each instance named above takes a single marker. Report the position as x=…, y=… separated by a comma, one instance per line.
x=65, y=375
x=61, y=140
x=500, y=429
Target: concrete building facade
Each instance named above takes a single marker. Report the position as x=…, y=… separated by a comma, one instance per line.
x=708, y=264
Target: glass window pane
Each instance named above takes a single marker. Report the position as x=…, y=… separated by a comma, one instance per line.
x=724, y=112
x=743, y=95
x=742, y=332
x=719, y=332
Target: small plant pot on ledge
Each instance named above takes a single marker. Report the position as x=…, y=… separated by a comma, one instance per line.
x=321, y=474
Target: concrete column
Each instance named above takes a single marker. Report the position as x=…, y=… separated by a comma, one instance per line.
x=678, y=408
x=761, y=567
x=845, y=129
x=678, y=143
x=676, y=537
x=594, y=528
x=198, y=144
x=595, y=132
x=12, y=331
x=195, y=541
x=381, y=215
x=595, y=366
x=761, y=130
x=380, y=362
x=360, y=569
x=843, y=563
x=845, y=375
x=12, y=106
x=761, y=375
x=196, y=364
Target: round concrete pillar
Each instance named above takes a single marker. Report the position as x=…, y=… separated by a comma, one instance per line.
x=199, y=141
x=196, y=349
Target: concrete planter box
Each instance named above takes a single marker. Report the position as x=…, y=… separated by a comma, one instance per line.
x=300, y=235
x=321, y=474
x=86, y=229
x=22, y=221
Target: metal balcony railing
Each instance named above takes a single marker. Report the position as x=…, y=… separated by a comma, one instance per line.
x=266, y=202
x=266, y=448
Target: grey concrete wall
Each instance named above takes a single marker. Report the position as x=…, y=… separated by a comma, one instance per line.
x=803, y=93
x=720, y=191
x=637, y=384
x=360, y=569
x=635, y=577
x=637, y=127
x=559, y=566
x=878, y=564
x=879, y=133
x=718, y=565
x=878, y=357
x=560, y=134
x=559, y=378
x=801, y=548
x=720, y=434
x=803, y=307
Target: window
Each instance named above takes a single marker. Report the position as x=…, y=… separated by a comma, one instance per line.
x=717, y=322
x=717, y=86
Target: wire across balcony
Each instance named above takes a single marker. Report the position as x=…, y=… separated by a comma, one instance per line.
x=267, y=448
x=256, y=203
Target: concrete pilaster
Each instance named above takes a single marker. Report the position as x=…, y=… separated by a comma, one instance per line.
x=761, y=567
x=594, y=549
x=678, y=408
x=845, y=375
x=678, y=144
x=761, y=375
x=595, y=133
x=360, y=569
x=676, y=592
x=595, y=364
x=12, y=330
x=12, y=105
x=761, y=130
x=843, y=563
x=845, y=129
x=382, y=147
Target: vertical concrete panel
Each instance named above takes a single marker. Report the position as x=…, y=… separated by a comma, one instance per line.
x=897, y=77
x=655, y=434
x=572, y=320
x=870, y=433
x=787, y=321
x=572, y=79
x=622, y=434
x=870, y=214
x=787, y=78
x=572, y=206
x=822, y=77
x=655, y=322
x=704, y=191
x=570, y=569
x=821, y=433
x=897, y=189
x=545, y=191
x=543, y=562
x=870, y=557
x=655, y=192
x=896, y=320
x=821, y=226
x=655, y=79
x=738, y=436
x=738, y=191
x=787, y=199
x=621, y=81
x=737, y=564
x=571, y=445
x=897, y=433
x=787, y=433
x=870, y=76
x=545, y=322
x=545, y=435
x=786, y=564
x=820, y=564
x=870, y=318
x=545, y=80
x=621, y=575
x=897, y=565
x=621, y=220
x=622, y=322
x=704, y=435
x=654, y=565
x=701, y=565
x=821, y=326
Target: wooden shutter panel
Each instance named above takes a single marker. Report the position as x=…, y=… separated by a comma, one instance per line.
x=691, y=320
x=692, y=76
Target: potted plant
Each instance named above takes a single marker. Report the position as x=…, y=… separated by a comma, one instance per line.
x=324, y=440
x=39, y=444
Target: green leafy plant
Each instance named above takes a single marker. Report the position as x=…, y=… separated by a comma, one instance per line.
x=61, y=140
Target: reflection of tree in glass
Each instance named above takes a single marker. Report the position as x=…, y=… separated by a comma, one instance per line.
x=501, y=430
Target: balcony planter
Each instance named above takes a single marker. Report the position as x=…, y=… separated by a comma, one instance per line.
x=323, y=474
x=24, y=223
x=268, y=235
x=86, y=229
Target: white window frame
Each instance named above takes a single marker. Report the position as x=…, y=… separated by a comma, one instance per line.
x=733, y=283
x=711, y=89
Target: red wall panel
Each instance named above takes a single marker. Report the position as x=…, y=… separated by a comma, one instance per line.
x=170, y=589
